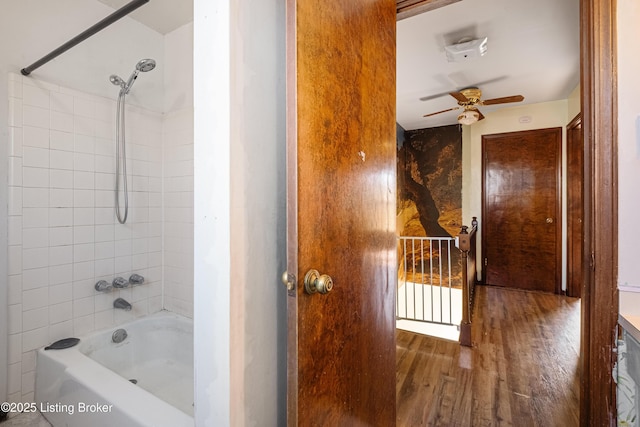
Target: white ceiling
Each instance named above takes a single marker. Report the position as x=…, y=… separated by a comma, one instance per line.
x=533, y=50
x=163, y=16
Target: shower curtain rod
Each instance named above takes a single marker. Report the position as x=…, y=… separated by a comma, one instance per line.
x=123, y=11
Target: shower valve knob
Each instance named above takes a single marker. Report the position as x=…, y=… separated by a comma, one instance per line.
x=136, y=279
x=103, y=286
x=120, y=282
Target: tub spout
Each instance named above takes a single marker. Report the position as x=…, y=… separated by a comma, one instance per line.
x=121, y=303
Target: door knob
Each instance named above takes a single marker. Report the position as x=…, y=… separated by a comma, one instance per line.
x=316, y=282
x=549, y=220
x=289, y=280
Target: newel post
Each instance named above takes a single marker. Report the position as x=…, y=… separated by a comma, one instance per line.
x=464, y=244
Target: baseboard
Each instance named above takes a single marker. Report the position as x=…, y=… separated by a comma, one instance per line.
x=629, y=288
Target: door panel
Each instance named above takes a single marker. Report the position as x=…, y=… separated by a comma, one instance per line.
x=521, y=209
x=341, y=211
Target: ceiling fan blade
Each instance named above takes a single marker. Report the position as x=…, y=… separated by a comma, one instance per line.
x=443, y=111
x=504, y=100
x=430, y=97
x=460, y=97
x=480, y=115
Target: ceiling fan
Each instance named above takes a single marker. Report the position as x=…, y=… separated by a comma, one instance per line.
x=469, y=100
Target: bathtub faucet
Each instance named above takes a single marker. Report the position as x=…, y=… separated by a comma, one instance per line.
x=121, y=303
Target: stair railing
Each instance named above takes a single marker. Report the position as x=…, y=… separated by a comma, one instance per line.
x=467, y=246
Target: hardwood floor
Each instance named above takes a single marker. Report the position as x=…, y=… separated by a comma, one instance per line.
x=521, y=371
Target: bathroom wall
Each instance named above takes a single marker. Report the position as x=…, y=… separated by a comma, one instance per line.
x=177, y=155
x=63, y=235
x=28, y=30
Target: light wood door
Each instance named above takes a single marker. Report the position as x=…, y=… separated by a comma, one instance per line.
x=521, y=209
x=341, y=211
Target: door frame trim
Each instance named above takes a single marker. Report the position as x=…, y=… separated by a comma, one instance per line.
x=573, y=290
x=292, y=209
x=599, y=317
x=558, y=192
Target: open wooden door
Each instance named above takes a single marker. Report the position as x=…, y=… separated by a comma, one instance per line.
x=341, y=188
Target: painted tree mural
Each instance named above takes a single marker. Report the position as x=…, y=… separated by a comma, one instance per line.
x=430, y=187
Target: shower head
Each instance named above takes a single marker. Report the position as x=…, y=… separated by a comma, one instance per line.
x=145, y=65
x=116, y=80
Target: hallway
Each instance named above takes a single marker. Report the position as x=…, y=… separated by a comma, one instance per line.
x=521, y=371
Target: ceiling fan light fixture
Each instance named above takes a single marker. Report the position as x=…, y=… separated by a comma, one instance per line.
x=468, y=117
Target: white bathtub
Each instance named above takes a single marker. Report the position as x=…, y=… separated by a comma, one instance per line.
x=89, y=384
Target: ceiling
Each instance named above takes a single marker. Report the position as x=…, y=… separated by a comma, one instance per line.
x=163, y=16
x=533, y=50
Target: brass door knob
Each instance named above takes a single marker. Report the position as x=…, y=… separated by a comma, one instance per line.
x=289, y=280
x=316, y=282
x=549, y=220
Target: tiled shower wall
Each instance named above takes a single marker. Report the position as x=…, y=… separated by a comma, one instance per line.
x=63, y=236
x=178, y=211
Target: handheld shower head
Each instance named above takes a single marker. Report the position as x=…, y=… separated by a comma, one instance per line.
x=145, y=65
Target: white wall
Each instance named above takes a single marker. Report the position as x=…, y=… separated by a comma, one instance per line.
x=240, y=308
x=177, y=168
x=628, y=155
x=573, y=101
x=212, y=234
x=258, y=214
x=178, y=72
x=543, y=115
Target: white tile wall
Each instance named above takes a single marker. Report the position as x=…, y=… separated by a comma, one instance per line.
x=63, y=236
x=177, y=211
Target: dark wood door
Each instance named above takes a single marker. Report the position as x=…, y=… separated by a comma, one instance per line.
x=341, y=211
x=575, y=208
x=521, y=209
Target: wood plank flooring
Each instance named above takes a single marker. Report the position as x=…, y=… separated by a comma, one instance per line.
x=521, y=371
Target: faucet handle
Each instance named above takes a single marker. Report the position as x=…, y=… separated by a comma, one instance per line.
x=103, y=286
x=120, y=282
x=136, y=279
